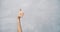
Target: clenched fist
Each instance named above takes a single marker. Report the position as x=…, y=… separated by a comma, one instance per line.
x=20, y=13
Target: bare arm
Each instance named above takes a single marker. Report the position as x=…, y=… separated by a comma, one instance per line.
x=20, y=15
x=19, y=25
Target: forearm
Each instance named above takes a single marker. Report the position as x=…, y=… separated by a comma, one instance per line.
x=19, y=25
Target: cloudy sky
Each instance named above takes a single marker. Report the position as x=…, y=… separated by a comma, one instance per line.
x=40, y=15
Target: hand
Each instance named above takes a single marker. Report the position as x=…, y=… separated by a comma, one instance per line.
x=20, y=14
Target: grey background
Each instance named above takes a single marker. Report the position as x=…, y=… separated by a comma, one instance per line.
x=40, y=15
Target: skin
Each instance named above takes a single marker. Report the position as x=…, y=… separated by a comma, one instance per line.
x=20, y=15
